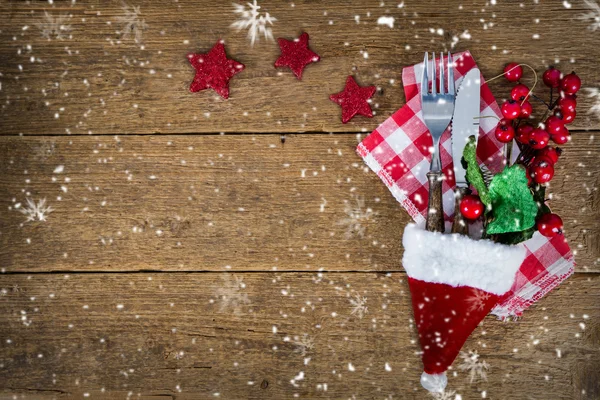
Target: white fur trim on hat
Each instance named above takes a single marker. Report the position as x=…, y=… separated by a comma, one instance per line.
x=458, y=260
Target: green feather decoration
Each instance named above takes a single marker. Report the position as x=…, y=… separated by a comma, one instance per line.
x=474, y=174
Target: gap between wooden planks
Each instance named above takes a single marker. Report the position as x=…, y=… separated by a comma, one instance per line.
x=229, y=203
x=96, y=83
x=273, y=335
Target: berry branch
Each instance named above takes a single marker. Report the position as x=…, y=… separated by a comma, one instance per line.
x=536, y=155
x=515, y=198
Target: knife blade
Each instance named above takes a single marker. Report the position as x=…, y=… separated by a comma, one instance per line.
x=465, y=123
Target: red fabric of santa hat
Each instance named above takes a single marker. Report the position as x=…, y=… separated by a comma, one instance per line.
x=454, y=282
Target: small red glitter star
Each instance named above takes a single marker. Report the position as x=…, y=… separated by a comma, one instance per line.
x=214, y=70
x=295, y=54
x=354, y=100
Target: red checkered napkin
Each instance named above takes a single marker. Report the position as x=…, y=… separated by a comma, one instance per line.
x=398, y=152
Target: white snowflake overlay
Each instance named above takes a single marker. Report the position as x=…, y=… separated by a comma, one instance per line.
x=359, y=305
x=303, y=344
x=593, y=16
x=132, y=24
x=252, y=20
x=231, y=294
x=471, y=363
x=55, y=27
x=357, y=216
x=35, y=211
x=594, y=93
x=477, y=300
x=443, y=395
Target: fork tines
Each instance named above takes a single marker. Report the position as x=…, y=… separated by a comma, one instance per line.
x=425, y=81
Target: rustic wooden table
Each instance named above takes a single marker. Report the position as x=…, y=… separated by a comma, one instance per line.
x=191, y=253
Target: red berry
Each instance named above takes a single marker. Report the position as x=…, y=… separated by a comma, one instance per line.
x=567, y=116
x=570, y=84
x=504, y=131
x=567, y=103
x=551, y=77
x=561, y=137
x=551, y=153
x=523, y=133
x=554, y=124
x=526, y=109
x=538, y=138
x=519, y=93
x=471, y=207
x=550, y=225
x=511, y=109
x=542, y=169
x=513, y=72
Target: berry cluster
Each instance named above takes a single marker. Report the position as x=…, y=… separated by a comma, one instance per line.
x=517, y=111
x=537, y=154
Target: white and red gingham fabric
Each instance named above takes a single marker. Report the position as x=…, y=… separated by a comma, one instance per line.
x=398, y=151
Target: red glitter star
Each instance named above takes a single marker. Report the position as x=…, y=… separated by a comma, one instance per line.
x=214, y=70
x=354, y=100
x=295, y=54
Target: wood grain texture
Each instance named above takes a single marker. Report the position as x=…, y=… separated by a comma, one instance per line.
x=273, y=335
x=241, y=266
x=229, y=202
x=95, y=80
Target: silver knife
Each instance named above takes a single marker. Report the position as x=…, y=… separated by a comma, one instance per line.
x=465, y=123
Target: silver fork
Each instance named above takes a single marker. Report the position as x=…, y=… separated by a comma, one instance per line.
x=437, y=108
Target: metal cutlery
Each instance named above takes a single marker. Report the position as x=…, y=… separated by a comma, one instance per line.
x=465, y=123
x=437, y=108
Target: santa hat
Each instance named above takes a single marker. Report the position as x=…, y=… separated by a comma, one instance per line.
x=454, y=282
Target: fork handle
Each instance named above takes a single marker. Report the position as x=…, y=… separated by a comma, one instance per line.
x=460, y=224
x=435, y=210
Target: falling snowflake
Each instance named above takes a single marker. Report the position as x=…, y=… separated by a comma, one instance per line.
x=132, y=24
x=106, y=241
x=593, y=16
x=472, y=364
x=359, y=305
x=477, y=300
x=456, y=38
x=443, y=395
x=594, y=93
x=24, y=319
x=385, y=20
x=54, y=27
x=297, y=378
x=303, y=344
x=35, y=211
x=231, y=294
x=252, y=20
x=357, y=216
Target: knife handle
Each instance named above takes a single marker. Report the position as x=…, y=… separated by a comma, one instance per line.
x=460, y=224
x=435, y=210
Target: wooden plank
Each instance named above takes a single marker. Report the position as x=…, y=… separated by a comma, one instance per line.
x=273, y=335
x=228, y=202
x=95, y=81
